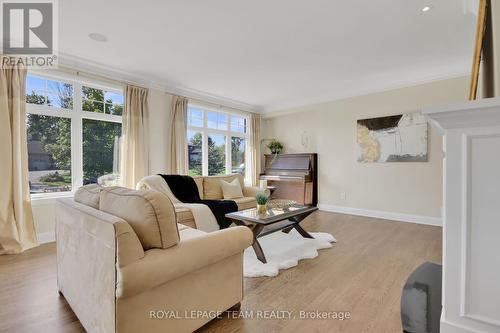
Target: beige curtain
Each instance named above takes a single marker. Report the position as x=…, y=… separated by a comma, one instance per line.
x=134, y=160
x=178, y=136
x=254, y=160
x=17, y=231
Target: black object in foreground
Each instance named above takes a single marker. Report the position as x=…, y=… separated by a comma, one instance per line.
x=421, y=300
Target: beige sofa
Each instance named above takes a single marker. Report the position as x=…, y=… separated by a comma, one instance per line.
x=209, y=188
x=125, y=265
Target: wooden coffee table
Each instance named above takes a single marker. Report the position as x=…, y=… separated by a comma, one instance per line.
x=273, y=220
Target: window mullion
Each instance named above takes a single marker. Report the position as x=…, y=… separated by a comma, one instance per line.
x=248, y=173
x=204, y=164
x=101, y=116
x=204, y=146
x=229, y=166
x=43, y=110
x=77, y=138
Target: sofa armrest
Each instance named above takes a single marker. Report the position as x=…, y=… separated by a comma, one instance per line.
x=90, y=246
x=251, y=191
x=162, y=265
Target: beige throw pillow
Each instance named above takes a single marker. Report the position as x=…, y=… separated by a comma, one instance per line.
x=231, y=190
x=88, y=195
x=150, y=214
x=212, y=188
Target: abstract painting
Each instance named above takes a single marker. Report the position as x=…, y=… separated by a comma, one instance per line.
x=401, y=138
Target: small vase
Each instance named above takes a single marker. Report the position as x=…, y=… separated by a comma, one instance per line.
x=262, y=209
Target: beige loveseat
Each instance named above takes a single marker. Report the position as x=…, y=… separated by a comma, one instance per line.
x=208, y=187
x=125, y=265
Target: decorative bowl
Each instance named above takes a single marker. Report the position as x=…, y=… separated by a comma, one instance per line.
x=281, y=203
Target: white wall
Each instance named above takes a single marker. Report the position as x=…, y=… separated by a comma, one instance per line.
x=159, y=122
x=405, y=191
x=44, y=214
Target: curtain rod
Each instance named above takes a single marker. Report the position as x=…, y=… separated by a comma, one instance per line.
x=90, y=75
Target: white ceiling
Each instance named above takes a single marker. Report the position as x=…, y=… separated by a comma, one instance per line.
x=271, y=55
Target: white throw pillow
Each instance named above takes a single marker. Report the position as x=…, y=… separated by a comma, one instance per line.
x=231, y=190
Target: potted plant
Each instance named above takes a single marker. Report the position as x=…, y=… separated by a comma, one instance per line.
x=262, y=199
x=275, y=146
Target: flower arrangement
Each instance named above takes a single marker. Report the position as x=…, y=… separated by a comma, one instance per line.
x=275, y=146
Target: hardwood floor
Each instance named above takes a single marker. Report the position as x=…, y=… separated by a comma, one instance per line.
x=363, y=274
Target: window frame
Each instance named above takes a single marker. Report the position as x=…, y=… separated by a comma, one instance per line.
x=76, y=115
x=206, y=131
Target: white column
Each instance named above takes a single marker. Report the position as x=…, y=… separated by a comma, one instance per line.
x=471, y=221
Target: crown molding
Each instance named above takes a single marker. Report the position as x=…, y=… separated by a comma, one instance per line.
x=477, y=113
x=296, y=107
x=108, y=72
x=94, y=68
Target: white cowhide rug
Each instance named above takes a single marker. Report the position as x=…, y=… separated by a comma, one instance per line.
x=283, y=251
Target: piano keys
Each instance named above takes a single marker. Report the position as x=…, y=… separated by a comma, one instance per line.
x=294, y=176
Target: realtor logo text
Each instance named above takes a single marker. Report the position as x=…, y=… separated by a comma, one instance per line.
x=28, y=33
x=250, y=314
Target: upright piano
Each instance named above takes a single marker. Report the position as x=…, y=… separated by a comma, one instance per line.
x=294, y=177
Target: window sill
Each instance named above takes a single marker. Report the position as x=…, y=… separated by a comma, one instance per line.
x=49, y=198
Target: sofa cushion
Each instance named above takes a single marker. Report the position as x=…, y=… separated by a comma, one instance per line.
x=199, y=182
x=181, y=227
x=212, y=188
x=157, y=183
x=190, y=233
x=246, y=203
x=150, y=214
x=185, y=216
x=196, y=251
x=231, y=190
x=88, y=195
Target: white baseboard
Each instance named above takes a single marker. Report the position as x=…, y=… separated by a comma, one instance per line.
x=429, y=220
x=447, y=327
x=46, y=237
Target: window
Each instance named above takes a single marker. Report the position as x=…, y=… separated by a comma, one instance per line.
x=195, y=117
x=217, y=120
x=238, y=124
x=49, y=92
x=97, y=100
x=195, y=153
x=216, y=142
x=216, y=154
x=49, y=153
x=101, y=151
x=73, y=132
x=238, y=155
